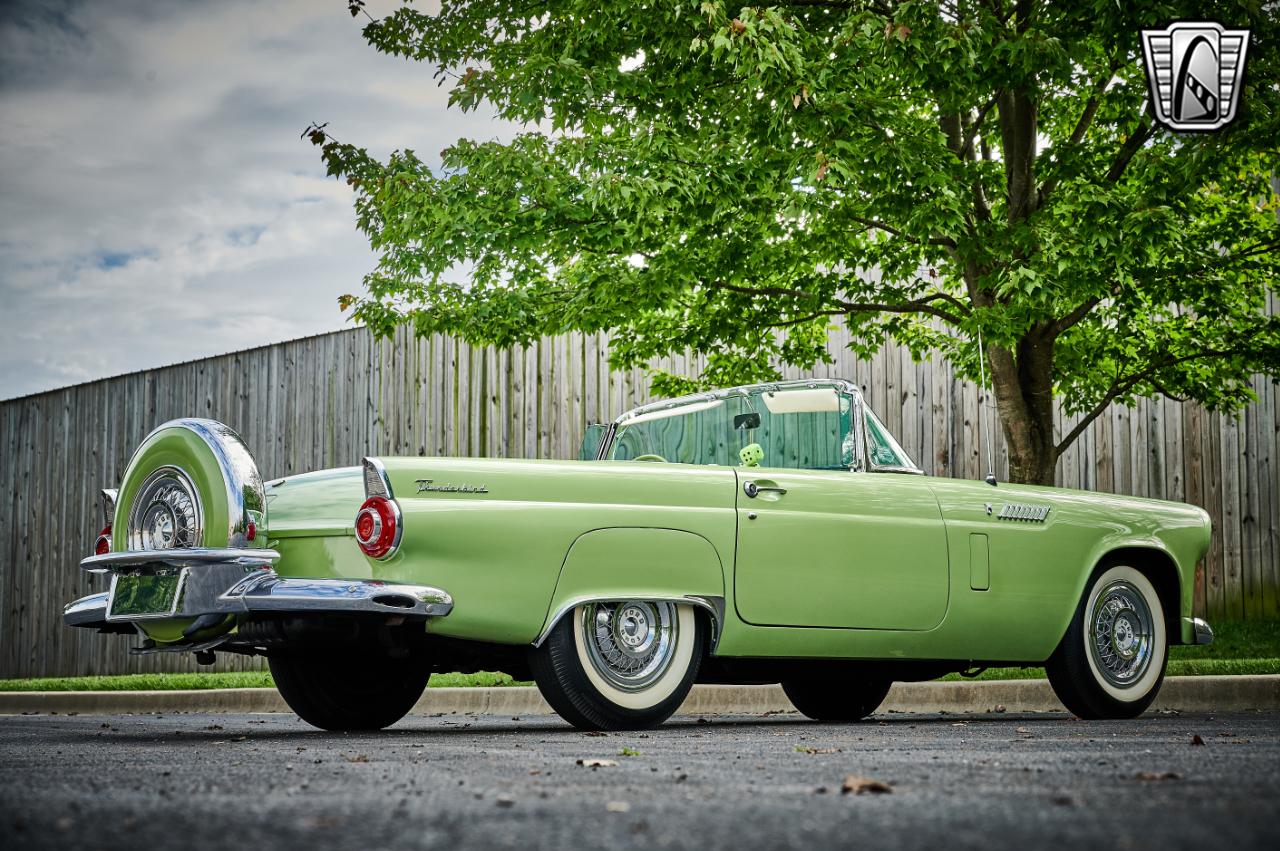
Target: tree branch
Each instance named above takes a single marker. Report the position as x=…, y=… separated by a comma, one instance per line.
x=924, y=304
x=879, y=225
x=803, y=319
x=1130, y=148
x=880, y=8
x=1121, y=386
x=973, y=129
x=1083, y=124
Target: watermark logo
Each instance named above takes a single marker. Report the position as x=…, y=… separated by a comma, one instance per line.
x=1195, y=70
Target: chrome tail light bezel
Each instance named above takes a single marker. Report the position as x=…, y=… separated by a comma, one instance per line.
x=102, y=542
x=383, y=511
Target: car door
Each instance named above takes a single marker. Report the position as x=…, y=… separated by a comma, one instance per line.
x=839, y=549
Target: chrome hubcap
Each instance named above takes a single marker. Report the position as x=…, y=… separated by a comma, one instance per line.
x=630, y=643
x=1121, y=634
x=166, y=513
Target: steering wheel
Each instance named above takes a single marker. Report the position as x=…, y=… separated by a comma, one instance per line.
x=650, y=457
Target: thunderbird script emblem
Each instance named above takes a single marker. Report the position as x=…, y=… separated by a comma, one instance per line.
x=1195, y=71
x=425, y=485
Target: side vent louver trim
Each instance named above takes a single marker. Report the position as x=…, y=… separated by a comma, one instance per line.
x=1024, y=513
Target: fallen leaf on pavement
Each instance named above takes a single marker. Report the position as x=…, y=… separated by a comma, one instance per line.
x=1158, y=775
x=1196, y=740
x=597, y=763
x=803, y=749
x=862, y=785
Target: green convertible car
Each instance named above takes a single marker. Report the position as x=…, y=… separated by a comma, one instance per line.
x=762, y=534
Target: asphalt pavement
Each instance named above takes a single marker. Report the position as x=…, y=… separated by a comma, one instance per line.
x=211, y=782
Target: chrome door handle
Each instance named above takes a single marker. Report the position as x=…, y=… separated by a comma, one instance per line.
x=752, y=490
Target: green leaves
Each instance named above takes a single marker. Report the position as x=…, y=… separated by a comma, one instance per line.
x=734, y=180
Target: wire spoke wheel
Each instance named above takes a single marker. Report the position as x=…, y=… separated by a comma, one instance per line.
x=1121, y=634
x=630, y=644
x=166, y=513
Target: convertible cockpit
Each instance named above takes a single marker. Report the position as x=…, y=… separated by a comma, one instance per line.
x=799, y=425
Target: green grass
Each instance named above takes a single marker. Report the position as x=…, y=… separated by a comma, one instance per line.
x=239, y=679
x=1177, y=668
x=1239, y=647
x=1255, y=639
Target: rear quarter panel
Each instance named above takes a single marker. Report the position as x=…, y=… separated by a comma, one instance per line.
x=532, y=540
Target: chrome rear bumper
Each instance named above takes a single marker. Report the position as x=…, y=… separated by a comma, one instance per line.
x=224, y=582
x=150, y=560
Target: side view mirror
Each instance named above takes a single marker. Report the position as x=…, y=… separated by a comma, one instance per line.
x=592, y=437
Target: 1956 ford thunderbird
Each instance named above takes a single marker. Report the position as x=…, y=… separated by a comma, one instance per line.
x=769, y=533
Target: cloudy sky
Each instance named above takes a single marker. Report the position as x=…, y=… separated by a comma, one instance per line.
x=156, y=203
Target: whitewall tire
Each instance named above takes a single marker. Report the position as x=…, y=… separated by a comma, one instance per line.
x=1111, y=662
x=620, y=665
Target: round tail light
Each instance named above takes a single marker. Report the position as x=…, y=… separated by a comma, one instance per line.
x=378, y=527
x=102, y=546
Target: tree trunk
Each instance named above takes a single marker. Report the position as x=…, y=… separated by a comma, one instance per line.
x=1023, y=386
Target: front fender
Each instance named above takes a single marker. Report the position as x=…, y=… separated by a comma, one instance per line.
x=639, y=563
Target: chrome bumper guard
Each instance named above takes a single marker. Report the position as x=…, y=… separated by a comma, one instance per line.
x=1204, y=633
x=223, y=581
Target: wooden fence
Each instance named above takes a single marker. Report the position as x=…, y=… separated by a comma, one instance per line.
x=328, y=400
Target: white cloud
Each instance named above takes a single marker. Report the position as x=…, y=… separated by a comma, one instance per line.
x=156, y=202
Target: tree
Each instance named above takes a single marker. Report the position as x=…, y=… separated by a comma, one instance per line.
x=734, y=179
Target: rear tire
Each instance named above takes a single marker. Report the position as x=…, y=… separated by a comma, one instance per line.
x=829, y=699
x=1111, y=662
x=595, y=681
x=350, y=691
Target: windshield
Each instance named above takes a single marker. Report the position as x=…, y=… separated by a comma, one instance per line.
x=803, y=429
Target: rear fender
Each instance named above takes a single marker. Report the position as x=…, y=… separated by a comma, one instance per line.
x=639, y=564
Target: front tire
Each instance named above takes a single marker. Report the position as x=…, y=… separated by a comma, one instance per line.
x=1111, y=662
x=827, y=699
x=620, y=665
x=350, y=691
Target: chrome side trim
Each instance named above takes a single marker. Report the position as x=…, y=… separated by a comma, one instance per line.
x=245, y=490
x=87, y=611
x=140, y=559
x=712, y=605
x=1204, y=633
x=267, y=592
